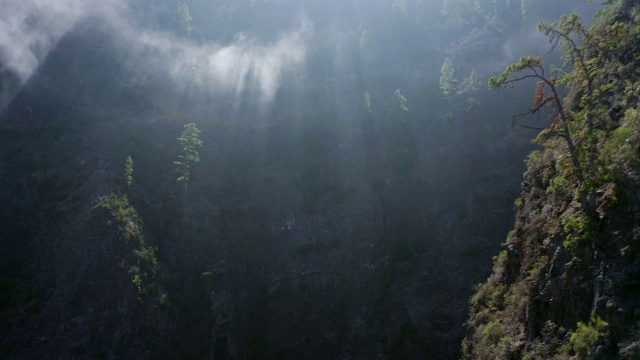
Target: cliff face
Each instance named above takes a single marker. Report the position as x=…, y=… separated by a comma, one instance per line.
x=312, y=227
x=566, y=284
x=290, y=243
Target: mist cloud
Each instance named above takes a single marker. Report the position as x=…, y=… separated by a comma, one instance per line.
x=243, y=64
x=29, y=29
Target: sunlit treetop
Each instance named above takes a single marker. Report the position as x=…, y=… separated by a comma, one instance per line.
x=447, y=78
x=533, y=63
x=367, y=101
x=400, y=101
x=185, y=18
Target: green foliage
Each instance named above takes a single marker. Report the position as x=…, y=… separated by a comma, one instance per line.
x=620, y=149
x=578, y=229
x=399, y=101
x=185, y=19
x=447, y=78
x=595, y=150
x=567, y=32
x=525, y=62
x=492, y=332
x=473, y=81
x=469, y=86
x=367, y=101
x=472, y=103
x=560, y=184
x=190, y=141
x=580, y=129
x=128, y=170
x=585, y=336
x=533, y=158
x=141, y=262
x=125, y=216
x=491, y=294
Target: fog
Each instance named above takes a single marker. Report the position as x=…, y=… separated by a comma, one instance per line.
x=30, y=29
x=340, y=204
x=241, y=59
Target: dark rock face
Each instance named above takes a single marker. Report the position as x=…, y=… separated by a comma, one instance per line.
x=309, y=230
x=559, y=292
x=290, y=243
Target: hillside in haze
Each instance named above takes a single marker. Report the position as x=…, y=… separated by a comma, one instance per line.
x=282, y=179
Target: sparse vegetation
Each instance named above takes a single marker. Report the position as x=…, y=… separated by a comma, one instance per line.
x=141, y=262
x=189, y=141
x=342, y=192
x=585, y=336
x=565, y=228
x=128, y=171
x=447, y=79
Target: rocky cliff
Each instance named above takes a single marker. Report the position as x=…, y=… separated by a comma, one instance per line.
x=307, y=231
x=313, y=227
x=566, y=284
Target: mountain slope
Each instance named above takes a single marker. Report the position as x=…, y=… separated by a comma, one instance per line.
x=313, y=227
x=566, y=284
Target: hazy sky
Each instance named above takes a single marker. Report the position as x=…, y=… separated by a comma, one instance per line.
x=29, y=29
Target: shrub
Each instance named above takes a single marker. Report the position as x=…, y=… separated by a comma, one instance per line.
x=578, y=229
x=585, y=336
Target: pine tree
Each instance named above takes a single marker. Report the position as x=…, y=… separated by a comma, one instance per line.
x=128, y=170
x=473, y=81
x=185, y=19
x=400, y=101
x=447, y=79
x=189, y=140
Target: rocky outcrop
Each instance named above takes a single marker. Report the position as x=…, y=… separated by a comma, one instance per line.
x=566, y=283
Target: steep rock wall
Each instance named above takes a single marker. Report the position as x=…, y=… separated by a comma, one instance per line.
x=566, y=284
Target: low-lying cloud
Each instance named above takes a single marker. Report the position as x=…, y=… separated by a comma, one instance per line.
x=243, y=64
x=29, y=29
